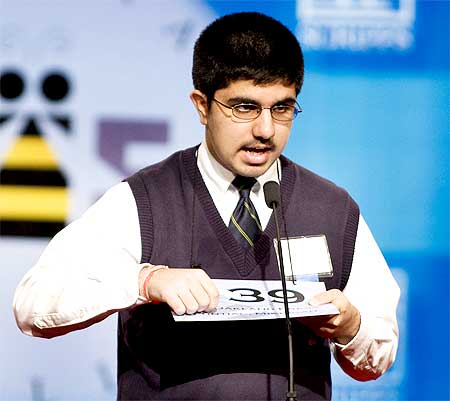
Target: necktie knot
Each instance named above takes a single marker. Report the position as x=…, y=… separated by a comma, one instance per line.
x=244, y=185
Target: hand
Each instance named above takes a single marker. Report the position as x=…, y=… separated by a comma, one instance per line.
x=184, y=290
x=340, y=328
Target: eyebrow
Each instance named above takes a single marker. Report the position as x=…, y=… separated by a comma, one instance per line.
x=246, y=100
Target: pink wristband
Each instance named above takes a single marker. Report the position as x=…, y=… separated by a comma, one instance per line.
x=152, y=271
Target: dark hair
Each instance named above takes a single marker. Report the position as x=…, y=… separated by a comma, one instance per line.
x=247, y=45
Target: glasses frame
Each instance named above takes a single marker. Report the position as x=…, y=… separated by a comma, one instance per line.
x=297, y=110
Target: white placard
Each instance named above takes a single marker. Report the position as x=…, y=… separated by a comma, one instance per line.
x=256, y=299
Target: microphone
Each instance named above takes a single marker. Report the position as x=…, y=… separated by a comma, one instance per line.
x=272, y=194
x=273, y=200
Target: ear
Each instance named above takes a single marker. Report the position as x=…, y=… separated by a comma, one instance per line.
x=201, y=105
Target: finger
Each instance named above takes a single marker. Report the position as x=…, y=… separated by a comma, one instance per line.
x=317, y=322
x=176, y=303
x=210, y=289
x=190, y=301
x=201, y=297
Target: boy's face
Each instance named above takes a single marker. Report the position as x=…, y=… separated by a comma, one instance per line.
x=246, y=148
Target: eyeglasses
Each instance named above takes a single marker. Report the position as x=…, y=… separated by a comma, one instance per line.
x=251, y=111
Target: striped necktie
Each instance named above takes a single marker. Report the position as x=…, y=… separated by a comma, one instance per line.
x=244, y=222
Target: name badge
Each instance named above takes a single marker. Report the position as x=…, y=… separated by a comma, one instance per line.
x=306, y=257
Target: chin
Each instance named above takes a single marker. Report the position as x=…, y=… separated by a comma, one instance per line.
x=253, y=171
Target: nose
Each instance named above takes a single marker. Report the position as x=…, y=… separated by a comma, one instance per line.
x=263, y=126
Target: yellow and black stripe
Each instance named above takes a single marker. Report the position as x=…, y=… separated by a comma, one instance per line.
x=34, y=197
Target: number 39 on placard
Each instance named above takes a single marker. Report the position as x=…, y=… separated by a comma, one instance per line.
x=275, y=295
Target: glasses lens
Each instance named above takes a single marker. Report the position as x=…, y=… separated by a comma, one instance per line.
x=246, y=111
x=284, y=113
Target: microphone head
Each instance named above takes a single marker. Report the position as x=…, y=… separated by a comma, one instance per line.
x=272, y=194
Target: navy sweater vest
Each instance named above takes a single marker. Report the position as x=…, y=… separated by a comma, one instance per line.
x=159, y=359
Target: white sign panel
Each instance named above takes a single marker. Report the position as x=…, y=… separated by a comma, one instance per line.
x=256, y=299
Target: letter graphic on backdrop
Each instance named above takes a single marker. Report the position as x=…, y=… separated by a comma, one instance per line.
x=34, y=198
x=115, y=135
x=358, y=25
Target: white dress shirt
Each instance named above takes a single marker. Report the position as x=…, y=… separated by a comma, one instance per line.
x=90, y=269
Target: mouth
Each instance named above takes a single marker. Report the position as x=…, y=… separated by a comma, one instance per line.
x=257, y=149
x=256, y=155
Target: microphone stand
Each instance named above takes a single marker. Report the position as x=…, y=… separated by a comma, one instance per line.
x=291, y=395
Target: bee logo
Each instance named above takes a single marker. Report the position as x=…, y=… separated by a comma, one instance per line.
x=34, y=196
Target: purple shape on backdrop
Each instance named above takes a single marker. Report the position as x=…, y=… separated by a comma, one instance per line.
x=115, y=135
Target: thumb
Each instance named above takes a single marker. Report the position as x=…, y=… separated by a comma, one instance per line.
x=320, y=299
